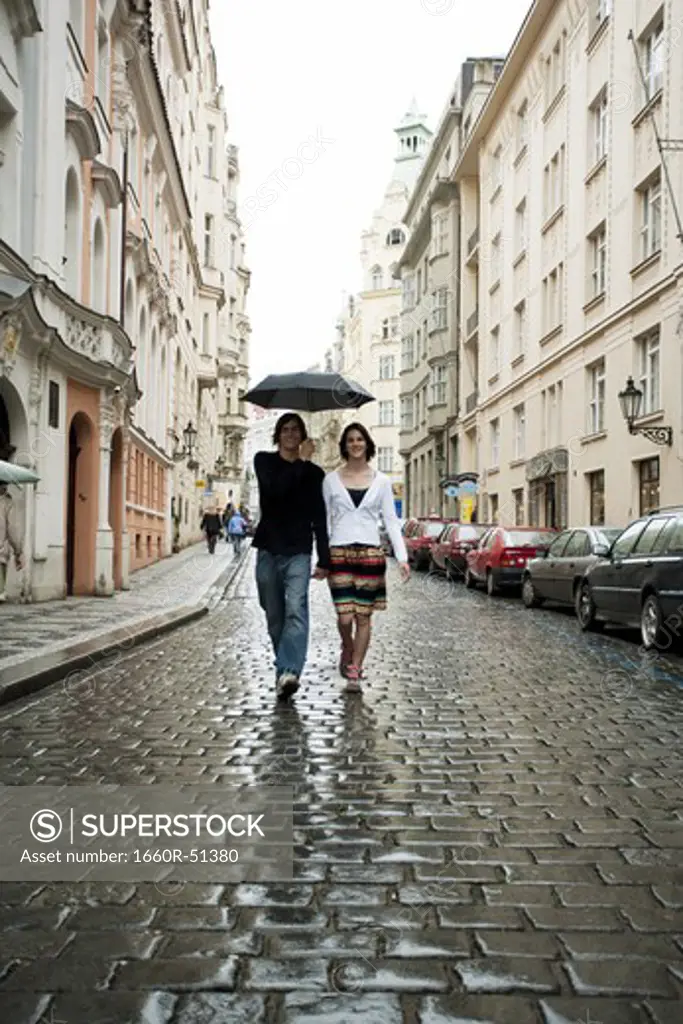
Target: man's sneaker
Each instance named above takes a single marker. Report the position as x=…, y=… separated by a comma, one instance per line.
x=287, y=685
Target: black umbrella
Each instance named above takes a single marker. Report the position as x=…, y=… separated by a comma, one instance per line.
x=308, y=392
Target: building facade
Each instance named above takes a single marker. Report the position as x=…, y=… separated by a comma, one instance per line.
x=429, y=271
x=113, y=236
x=572, y=271
x=368, y=344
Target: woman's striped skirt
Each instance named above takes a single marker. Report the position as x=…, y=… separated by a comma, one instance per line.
x=358, y=579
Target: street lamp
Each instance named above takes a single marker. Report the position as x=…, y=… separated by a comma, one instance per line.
x=189, y=441
x=630, y=400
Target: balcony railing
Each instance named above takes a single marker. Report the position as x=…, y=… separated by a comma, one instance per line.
x=471, y=402
x=472, y=323
x=473, y=241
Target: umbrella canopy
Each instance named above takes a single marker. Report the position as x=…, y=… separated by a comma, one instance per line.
x=308, y=392
x=12, y=474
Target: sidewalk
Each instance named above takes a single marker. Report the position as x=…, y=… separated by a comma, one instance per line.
x=40, y=643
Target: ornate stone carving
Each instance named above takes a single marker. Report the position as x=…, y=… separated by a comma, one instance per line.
x=10, y=336
x=84, y=338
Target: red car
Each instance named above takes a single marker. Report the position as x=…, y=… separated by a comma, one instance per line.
x=419, y=535
x=450, y=551
x=502, y=555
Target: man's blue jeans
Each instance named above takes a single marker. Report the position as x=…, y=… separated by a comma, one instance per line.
x=282, y=582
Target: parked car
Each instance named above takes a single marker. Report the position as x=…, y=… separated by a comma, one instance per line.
x=448, y=554
x=419, y=536
x=556, y=574
x=502, y=555
x=639, y=582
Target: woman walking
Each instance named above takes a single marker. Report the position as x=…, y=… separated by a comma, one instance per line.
x=355, y=497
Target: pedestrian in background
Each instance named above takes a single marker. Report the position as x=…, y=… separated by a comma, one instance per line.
x=292, y=513
x=211, y=525
x=356, y=496
x=237, y=529
x=227, y=515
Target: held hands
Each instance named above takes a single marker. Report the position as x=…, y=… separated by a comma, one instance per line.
x=306, y=449
x=320, y=574
x=18, y=561
x=404, y=570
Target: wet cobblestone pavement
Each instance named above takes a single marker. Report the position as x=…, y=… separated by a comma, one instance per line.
x=492, y=832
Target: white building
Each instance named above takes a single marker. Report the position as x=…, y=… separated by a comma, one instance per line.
x=368, y=346
x=117, y=187
x=572, y=271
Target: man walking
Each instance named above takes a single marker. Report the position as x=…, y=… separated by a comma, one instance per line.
x=292, y=512
x=211, y=526
x=237, y=528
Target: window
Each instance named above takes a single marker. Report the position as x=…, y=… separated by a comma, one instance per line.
x=393, y=326
x=211, y=151
x=519, y=427
x=407, y=352
x=53, y=405
x=440, y=235
x=624, y=544
x=596, y=397
x=233, y=252
x=520, y=328
x=552, y=299
x=598, y=247
x=385, y=460
x=495, y=351
x=208, y=240
x=522, y=126
x=376, y=279
x=440, y=310
x=385, y=329
x=518, y=499
x=406, y=414
x=438, y=385
x=495, y=259
x=418, y=286
x=386, y=368
x=648, y=372
x=648, y=474
x=386, y=413
x=649, y=537
x=496, y=170
x=553, y=183
x=520, y=227
x=653, y=51
x=494, y=433
x=600, y=122
x=416, y=409
x=206, y=341
x=555, y=70
x=596, y=494
x=395, y=237
x=651, y=218
x=493, y=508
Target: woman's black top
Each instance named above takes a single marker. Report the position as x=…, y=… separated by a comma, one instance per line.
x=357, y=494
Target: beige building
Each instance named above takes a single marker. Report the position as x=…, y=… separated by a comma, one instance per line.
x=368, y=345
x=571, y=269
x=429, y=267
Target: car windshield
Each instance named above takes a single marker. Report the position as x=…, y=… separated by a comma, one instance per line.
x=433, y=529
x=528, y=538
x=470, y=532
x=608, y=536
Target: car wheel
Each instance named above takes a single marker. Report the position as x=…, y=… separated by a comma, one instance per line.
x=491, y=585
x=470, y=581
x=651, y=623
x=585, y=609
x=529, y=595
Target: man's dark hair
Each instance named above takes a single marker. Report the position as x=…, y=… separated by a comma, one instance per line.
x=370, y=444
x=289, y=417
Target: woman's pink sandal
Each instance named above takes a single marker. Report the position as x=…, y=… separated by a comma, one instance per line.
x=354, y=674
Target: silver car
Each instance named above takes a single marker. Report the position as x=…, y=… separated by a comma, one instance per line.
x=556, y=575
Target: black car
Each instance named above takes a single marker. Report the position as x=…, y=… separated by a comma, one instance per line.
x=640, y=582
x=558, y=572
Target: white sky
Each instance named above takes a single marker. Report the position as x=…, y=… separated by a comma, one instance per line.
x=347, y=72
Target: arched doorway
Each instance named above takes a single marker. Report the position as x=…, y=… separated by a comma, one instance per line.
x=116, y=504
x=81, y=514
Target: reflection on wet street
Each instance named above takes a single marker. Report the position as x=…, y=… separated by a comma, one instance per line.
x=491, y=832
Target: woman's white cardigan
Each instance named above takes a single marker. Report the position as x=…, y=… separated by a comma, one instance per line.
x=347, y=524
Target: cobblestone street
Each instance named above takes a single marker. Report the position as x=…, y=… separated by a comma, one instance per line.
x=491, y=833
